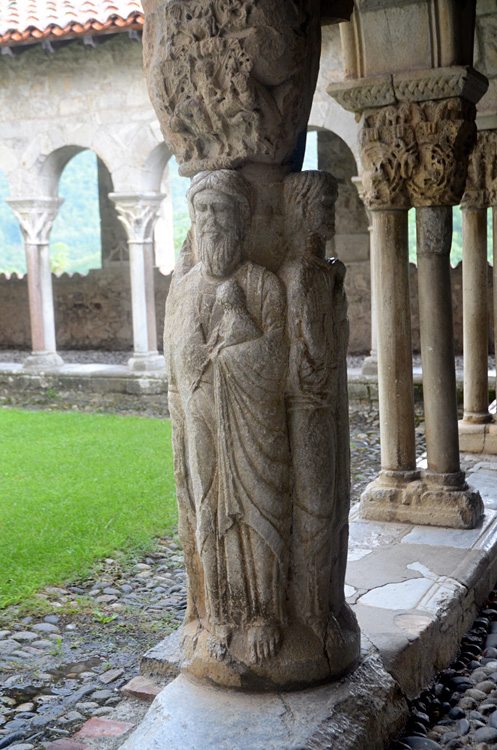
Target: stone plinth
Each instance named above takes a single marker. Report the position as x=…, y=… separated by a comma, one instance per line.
x=358, y=712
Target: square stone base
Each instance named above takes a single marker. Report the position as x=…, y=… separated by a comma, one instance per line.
x=478, y=438
x=421, y=503
x=363, y=710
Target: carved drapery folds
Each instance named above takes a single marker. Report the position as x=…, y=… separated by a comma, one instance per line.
x=416, y=153
x=232, y=80
x=258, y=401
x=256, y=336
x=481, y=184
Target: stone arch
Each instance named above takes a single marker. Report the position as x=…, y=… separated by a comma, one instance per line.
x=54, y=164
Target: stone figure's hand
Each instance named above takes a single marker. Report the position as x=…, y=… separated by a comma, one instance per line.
x=230, y=295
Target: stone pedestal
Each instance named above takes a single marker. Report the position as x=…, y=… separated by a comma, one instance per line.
x=36, y=216
x=138, y=213
x=362, y=710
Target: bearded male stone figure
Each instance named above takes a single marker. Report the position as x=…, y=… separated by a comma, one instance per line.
x=227, y=359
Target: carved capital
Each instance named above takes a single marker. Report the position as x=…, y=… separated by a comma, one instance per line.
x=232, y=81
x=416, y=153
x=35, y=217
x=138, y=213
x=481, y=184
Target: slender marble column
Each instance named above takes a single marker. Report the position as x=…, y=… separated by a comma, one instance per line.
x=434, y=237
x=36, y=216
x=395, y=384
x=475, y=316
x=138, y=213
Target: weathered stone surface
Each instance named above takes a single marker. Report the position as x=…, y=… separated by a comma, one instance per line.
x=362, y=710
x=140, y=687
x=234, y=83
x=266, y=605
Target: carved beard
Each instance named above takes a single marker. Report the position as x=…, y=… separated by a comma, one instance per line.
x=218, y=254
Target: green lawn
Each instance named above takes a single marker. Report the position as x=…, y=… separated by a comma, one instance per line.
x=75, y=488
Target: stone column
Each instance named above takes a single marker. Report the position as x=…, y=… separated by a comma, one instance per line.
x=475, y=316
x=395, y=383
x=446, y=485
x=415, y=153
x=138, y=213
x=36, y=216
x=477, y=432
x=256, y=337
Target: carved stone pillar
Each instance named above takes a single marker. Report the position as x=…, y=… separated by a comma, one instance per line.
x=36, y=216
x=477, y=432
x=255, y=342
x=415, y=152
x=138, y=213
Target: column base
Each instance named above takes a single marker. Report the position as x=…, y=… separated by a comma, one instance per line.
x=146, y=362
x=43, y=361
x=431, y=500
x=370, y=366
x=302, y=661
x=478, y=438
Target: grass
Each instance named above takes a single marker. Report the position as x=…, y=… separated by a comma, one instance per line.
x=73, y=489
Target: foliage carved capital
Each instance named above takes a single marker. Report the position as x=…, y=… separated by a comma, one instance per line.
x=416, y=153
x=481, y=184
x=138, y=213
x=35, y=217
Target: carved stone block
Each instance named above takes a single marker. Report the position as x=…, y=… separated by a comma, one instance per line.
x=481, y=185
x=416, y=153
x=232, y=81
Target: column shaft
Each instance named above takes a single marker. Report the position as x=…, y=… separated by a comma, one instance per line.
x=40, y=296
x=434, y=237
x=475, y=315
x=140, y=292
x=395, y=383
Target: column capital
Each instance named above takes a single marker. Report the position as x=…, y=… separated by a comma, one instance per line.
x=138, y=213
x=416, y=153
x=481, y=183
x=35, y=216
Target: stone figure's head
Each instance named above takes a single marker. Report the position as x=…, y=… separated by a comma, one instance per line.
x=219, y=203
x=310, y=203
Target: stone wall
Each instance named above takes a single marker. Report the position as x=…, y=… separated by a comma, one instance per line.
x=91, y=312
x=94, y=311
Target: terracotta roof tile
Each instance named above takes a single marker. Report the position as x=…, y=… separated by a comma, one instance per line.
x=28, y=21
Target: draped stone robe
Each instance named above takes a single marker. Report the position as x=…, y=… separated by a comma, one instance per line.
x=227, y=370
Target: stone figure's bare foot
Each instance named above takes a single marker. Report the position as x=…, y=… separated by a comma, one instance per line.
x=264, y=642
x=219, y=641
